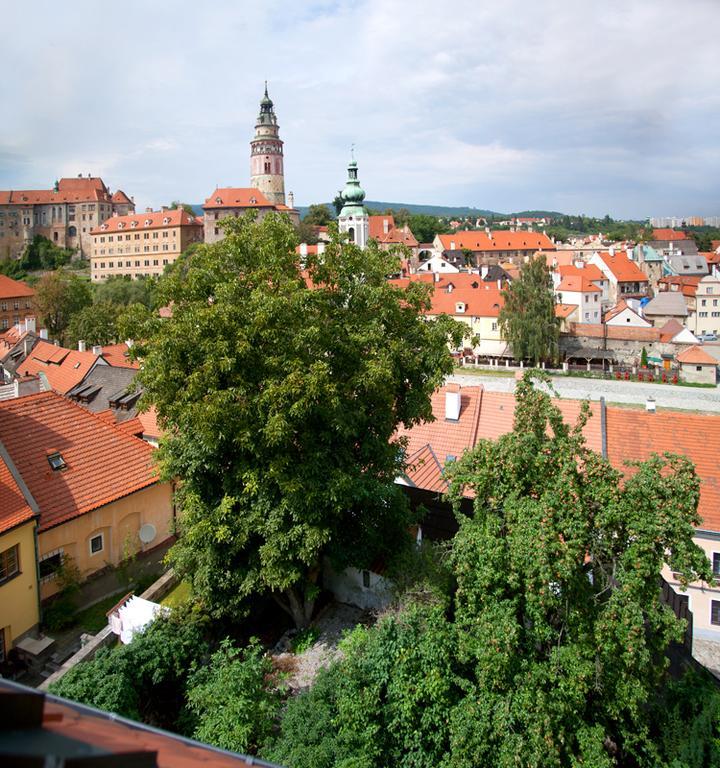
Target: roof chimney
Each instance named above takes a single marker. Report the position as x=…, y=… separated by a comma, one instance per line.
x=650, y=405
x=483, y=271
x=44, y=334
x=452, y=402
x=291, y=200
x=81, y=345
x=30, y=325
x=148, y=210
x=303, y=249
x=320, y=248
x=386, y=226
x=97, y=350
x=452, y=245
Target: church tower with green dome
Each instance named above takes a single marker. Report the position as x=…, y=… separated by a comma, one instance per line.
x=353, y=218
x=266, y=154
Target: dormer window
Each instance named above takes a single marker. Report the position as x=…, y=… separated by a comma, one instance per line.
x=56, y=461
x=103, y=227
x=120, y=224
x=133, y=224
x=218, y=200
x=147, y=222
x=166, y=220
x=253, y=200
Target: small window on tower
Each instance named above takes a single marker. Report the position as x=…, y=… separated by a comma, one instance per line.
x=351, y=234
x=267, y=166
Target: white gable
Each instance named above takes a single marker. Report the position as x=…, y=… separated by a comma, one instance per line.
x=437, y=264
x=686, y=336
x=629, y=319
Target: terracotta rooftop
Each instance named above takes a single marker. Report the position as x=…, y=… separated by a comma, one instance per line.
x=500, y=241
x=668, y=234
x=577, y=283
x=484, y=301
x=565, y=310
x=64, y=368
x=70, y=190
x=101, y=463
x=118, y=355
x=624, y=269
x=121, y=198
x=589, y=271
x=155, y=220
x=14, y=508
x=376, y=230
x=14, y=289
x=237, y=197
x=696, y=355
x=620, y=332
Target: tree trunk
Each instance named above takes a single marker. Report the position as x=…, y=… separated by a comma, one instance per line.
x=299, y=603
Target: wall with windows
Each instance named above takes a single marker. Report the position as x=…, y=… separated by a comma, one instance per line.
x=105, y=536
x=19, y=611
x=707, y=307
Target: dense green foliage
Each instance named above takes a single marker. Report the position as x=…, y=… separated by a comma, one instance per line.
x=281, y=399
x=146, y=679
x=551, y=650
x=94, y=324
x=564, y=227
x=318, y=215
x=40, y=253
x=232, y=700
x=58, y=296
x=123, y=290
x=527, y=319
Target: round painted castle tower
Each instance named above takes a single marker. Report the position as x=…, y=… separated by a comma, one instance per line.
x=266, y=155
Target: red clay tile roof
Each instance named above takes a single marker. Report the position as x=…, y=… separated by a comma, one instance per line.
x=621, y=306
x=425, y=471
x=624, y=269
x=668, y=234
x=688, y=284
x=500, y=241
x=103, y=463
x=591, y=271
x=154, y=220
x=150, y=426
x=579, y=283
x=13, y=289
x=237, y=197
x=376, y=230
x=484, y=301
x=70, y=190
x=697, y=355
x=14, y=509
x=633, y=435
x=565, y=310
x=120, y=197
x=117, y=355
x=64, y=368
x=620, y=332
x=670, y=330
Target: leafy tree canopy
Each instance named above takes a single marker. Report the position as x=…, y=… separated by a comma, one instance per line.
x=185, y=206
x=551, y=650
x=94, y=324
x=59, y=296
x=281, y=394
x=123, y=290
x=318, y=214
x=527, y=319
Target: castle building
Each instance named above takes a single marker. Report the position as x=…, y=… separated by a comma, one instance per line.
x=266, y=154
x=64, y=215
x=353, y=219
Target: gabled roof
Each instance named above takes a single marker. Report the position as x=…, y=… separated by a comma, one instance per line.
x=578, y=283
x=394, y=235
x=70, y=190
x=101, y=463
x=589, y=271
x=697, y=356
x=155, y=220
x=500, y=241
x=667, y=303
x=685, y=284
x=624, y=270
x=118, y=355
x=670, y=330
x=104, y=385
x=14, y=289
x=64, y=368
x=668, y=234
x=120, y=197
x=484, y=301
x=424, y=470
x=237, y=197
x=565, y=310
x=621, y=306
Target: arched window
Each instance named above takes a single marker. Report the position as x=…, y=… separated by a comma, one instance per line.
x=72, y=231
x=267, y=167
x=351, y=234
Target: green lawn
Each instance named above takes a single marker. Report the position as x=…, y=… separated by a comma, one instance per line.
x=179, y=595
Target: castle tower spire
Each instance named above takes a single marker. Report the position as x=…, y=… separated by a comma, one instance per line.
x=267, y=171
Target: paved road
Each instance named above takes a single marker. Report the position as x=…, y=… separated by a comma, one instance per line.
x=666, y=395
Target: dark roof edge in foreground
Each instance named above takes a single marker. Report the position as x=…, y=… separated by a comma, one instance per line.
x=86, y=709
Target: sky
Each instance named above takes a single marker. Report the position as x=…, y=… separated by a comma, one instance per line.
x=579, y=106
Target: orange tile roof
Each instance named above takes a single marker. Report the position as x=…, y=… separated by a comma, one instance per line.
x=376, y=230
x=557, y=259
x=237, y=197
x=712, y=257
x=590, y=271
x=14, y=509
x=154, y=220
x=14, y=289
x=620, y=332
x=425, y=471
x=578, y=283
x=64, y=368
x=624, y=269
x=150, y=426
x=565, y=310
x=117, y=355
x=70, y=190
x=633, y=435
x=696, y=355
x=120, y=197
x=670, y=330
x=668, y=234
x=621, y=306
x=484, y=301
x=103, y=464
x=688, y=284
x=500, y=241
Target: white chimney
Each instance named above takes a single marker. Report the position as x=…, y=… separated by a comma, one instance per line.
x=81, y=346
x=499, y=282
x=44, y=334
x=303, y=249
x=580, y=264
x=483, y=271
x=386, y=226
x=30, y=325
x=452, y=402
x=436, y=277
x=452, y=245
x=320, y=248
x=129, y=343
x=97, y=350
x=148, y=210
x=291, y=200
x=611, y=250
x=650, y=405
x=27, y=346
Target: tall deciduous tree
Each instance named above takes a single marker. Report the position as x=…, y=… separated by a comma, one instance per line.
x=318, y=214
x=527, y=319
x=95, y=324
x=58, y=296
x=281, y=393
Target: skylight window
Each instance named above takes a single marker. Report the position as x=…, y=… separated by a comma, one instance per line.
x=56, y=461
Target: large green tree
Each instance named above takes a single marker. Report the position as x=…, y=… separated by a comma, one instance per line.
x=318, y=214
x=527, y=319
x=123, y=290
x=94, y=324
x=551, y=648
x=280, y=393
x=58, y=296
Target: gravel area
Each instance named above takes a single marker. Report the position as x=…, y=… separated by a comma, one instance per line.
x=332, y=622
x=634, y=393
